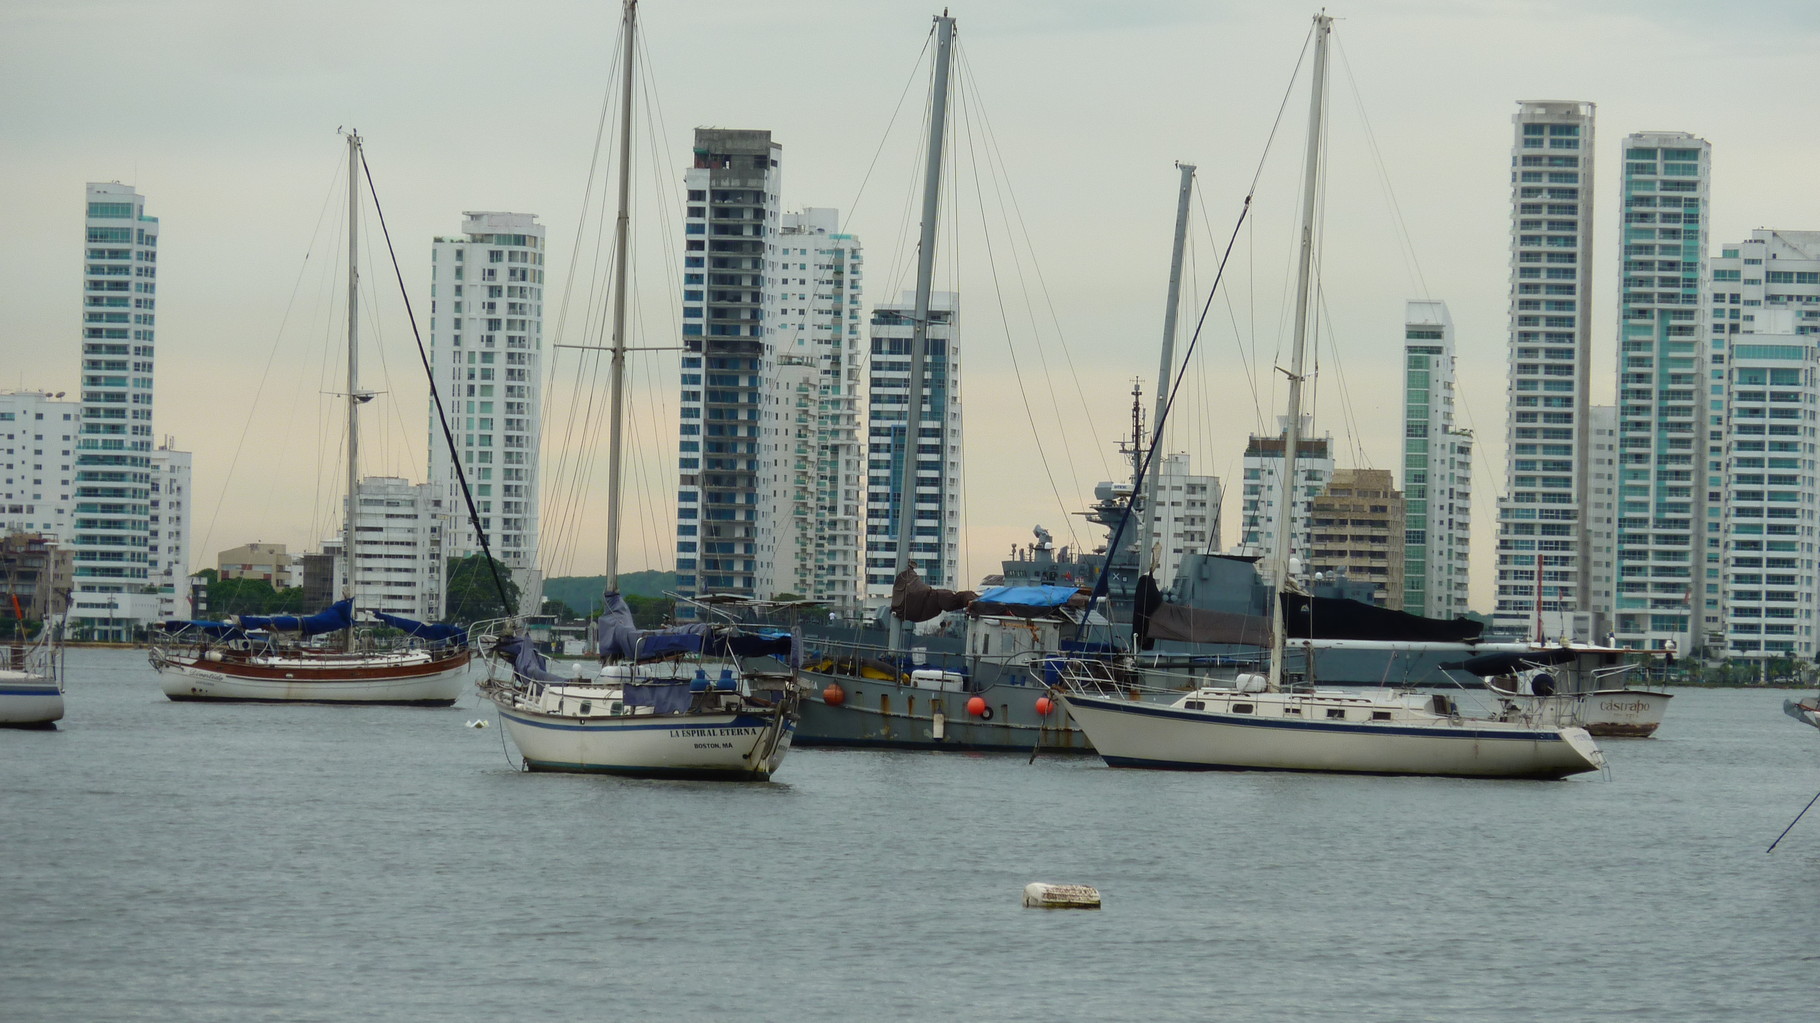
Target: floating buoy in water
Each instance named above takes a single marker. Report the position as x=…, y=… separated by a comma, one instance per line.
x=977, y=707
x=1044, y=705
x=1061, y=896
x=478, y=723
x=834, y=695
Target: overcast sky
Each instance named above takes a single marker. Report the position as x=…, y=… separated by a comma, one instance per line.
x=224, y=114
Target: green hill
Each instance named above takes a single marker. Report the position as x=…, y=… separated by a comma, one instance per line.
x=582, y=592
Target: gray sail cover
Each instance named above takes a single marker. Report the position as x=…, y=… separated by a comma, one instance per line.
x=916, y=601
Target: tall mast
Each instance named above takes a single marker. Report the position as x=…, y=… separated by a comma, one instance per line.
x=617, y=374
x=353, y=501
x=919, y=325
x=1292, y=427
x=1166, y=371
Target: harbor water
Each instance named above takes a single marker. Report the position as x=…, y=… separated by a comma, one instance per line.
x=192, y=862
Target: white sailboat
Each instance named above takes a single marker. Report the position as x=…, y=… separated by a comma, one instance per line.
x=1262, y=723
x=31, y=681
x=699, y=701
x=265, y=659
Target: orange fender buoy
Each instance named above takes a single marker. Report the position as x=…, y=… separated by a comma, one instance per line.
x=834, y=695
x=1044, y=705
x=977, y=707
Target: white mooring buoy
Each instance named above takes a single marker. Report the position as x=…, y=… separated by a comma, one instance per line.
x=1061, y=896
x=478, y=723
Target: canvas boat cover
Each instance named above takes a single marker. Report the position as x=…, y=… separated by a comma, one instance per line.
x=1488, y=665
x=916, y=601
x=1157, y=619
x=437, y=632
x=526, y=662
x=1026, y=601
x=334, y=618
x=218, y=630
x=1306, y=617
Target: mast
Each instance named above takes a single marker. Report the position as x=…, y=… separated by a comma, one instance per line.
x=1292, y=427
x=1166, y=370
x=919, y=325
x=353, y=501
x=617, y=360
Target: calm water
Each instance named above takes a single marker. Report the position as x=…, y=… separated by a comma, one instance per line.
x=197, y=863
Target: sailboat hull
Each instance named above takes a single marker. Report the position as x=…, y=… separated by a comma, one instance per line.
x=1133, y=734
x=412, y=678
x=717, y=747
x=29, y=701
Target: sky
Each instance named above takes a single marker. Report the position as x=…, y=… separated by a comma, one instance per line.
x=1070, y=119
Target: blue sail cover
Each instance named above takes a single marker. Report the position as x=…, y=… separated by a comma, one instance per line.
x=526, y=662
x=437, y=632
x=219, y=630
x=1024, y=601
x=334, y=618
x=666, y=697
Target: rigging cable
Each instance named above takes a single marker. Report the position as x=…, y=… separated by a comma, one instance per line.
x=442, y=417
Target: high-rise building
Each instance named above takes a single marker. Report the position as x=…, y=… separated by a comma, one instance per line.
x=169, y=546
x=1437, y=469
x=1602, y=504
x=111, y=521
x=1543, y=552
x=818, y=348
x=1356, y=531
x=729, y=441
x=399, y=564
x=38, y=437
x=1662, y=443
x=1260, y=522
x=1765, y=325
x=486, y=350
x=936, y=503
x=1186, y=517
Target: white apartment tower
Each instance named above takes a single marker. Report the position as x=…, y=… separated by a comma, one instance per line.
x=1260, y=521
x=111, y=520
x=399, y=557
x=730, y=444
x=1543, y=549
x=1662, y=430
x=936, y=505
x=169, y=549
x=1602, y=505
x=486, y=350
x=1765, y=325
x=1437, y=468
x=1186, y=518
x=818, y=347
x=38, y=437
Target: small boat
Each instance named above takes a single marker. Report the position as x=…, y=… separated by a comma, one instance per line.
x=1272, y=722
x=1543, y=673
x=31, y=682
x=1805, y=711
x=698, y=701
x=707, y=701
x=267, y=659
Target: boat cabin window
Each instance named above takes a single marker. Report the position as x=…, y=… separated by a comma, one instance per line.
x=1380, y=715
x=1338, y=713
x=612, y=708
x=1297, y=711
x=1195, y=705
x=586, y=706
x=1241, y=708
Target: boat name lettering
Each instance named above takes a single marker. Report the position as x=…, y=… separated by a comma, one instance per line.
x=1637, y=707
x=710, y=733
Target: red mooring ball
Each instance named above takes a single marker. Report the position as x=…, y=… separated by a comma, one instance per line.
x=1044, y=705
x=977, y=706
x=834, y=695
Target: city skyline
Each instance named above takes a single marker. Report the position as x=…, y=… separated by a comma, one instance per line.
x=221, y=139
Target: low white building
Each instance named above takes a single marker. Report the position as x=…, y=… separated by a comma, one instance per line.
x=1259, y=518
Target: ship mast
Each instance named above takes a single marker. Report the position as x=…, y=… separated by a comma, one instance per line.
x=1292, y=426
x=919, y=324
x=354, y=396
x=1166, y=370
x=616, y=377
